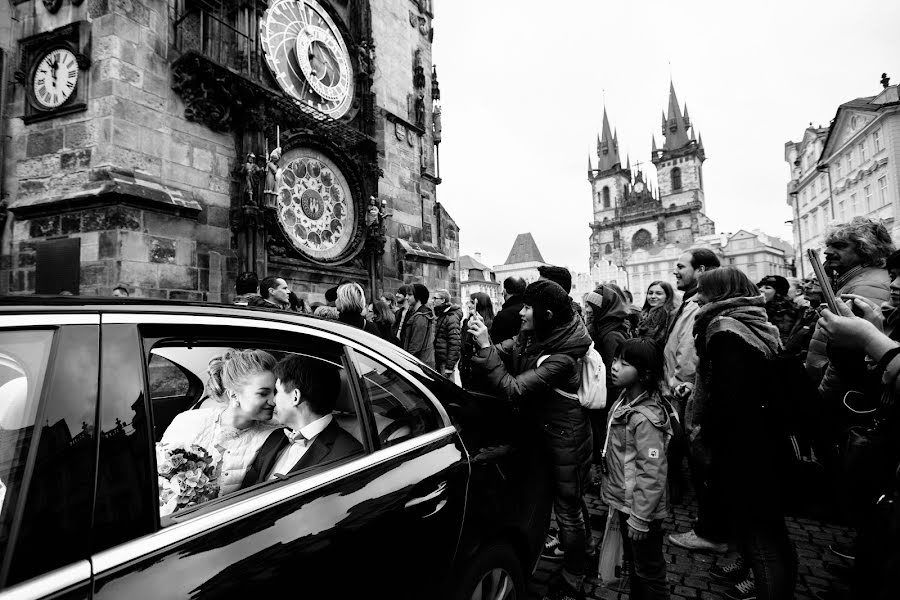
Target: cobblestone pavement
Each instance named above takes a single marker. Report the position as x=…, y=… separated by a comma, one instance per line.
x=688, y=571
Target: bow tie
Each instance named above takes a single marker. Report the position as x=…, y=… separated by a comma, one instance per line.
x=296, y=437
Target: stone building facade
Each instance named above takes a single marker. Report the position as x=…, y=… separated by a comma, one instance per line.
x=523, y=260
x=628, y=214
x=845, y=170
x=474, y=276
x=158, y=171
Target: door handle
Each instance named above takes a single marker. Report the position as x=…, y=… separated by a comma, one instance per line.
x=434, y=494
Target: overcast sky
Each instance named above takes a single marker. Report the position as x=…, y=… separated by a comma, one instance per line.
x=522, y=90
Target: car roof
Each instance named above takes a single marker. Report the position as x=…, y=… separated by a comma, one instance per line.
x=36, y=304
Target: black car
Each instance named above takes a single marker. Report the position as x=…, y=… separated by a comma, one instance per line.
x=447, y=498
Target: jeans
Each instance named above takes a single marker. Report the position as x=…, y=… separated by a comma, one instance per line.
x=648, y=565
x=764, y=545
x=572, y=538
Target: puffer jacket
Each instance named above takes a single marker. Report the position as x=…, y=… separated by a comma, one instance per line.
x=447, y=337
x=679, y=354
x=512, y=371
x=638, y=434
x=418, y=335
x=872, y=283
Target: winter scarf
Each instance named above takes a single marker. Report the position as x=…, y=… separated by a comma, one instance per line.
x=744, y=317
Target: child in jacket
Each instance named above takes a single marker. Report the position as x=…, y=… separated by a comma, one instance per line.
x=634, y=458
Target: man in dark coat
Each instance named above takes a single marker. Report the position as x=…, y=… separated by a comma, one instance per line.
x=418, y=334
x=304, y=398
x=447, y=334
x=403, y=312
x=247, y=289
x=508, y=321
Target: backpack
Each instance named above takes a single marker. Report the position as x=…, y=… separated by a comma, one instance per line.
x=591, y=393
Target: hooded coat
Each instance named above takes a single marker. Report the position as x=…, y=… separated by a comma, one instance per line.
x=512, y=371
x=418, y=334
x=637, y=471
x=608, y=327
x=447, y=337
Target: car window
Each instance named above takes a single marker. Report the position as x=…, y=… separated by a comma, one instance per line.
x=23, y=364
x=401, y=411
x=50, y=451
x=231, y=434
x=165, y=378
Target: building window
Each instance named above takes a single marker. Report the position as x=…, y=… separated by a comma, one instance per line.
x=841, y=210
x=868, y=193
x=876, y=140
x=837, y=169
x=849, y=161
x=677, y=223
x=822, y=183
x=805, y=227
x=882, y=190
x=676, y=178
x=862, y=151
x=608, y=249
x=606, y=196
x=853, y=205
x=641, y=239
x=803, y=198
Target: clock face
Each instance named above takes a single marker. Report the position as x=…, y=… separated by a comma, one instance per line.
x=639, y=187
x=55, y=78
x=314, y=205
x=307, y=55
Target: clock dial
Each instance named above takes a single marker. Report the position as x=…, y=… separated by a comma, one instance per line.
x=55, y=78
x=307, y=55
x=314, y=205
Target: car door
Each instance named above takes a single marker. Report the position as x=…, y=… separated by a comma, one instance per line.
x=343, y=530
x=48, y=398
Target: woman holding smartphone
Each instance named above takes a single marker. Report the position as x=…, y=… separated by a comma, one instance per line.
x=479, y=306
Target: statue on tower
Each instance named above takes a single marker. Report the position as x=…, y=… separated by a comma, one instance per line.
x=251, y=172
x=273, y=174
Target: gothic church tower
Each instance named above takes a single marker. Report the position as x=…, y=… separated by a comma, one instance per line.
x=679, y=164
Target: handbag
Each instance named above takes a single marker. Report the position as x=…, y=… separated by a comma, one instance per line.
x=611, y=551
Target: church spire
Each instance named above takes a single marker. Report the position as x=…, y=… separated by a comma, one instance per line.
x=653, y=150
x=608, y=148
x=590, y=167
x=675, y=129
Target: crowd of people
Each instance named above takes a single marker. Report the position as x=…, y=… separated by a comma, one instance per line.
x=743, y=381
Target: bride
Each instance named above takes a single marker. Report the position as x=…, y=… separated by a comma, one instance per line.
x=244, y=385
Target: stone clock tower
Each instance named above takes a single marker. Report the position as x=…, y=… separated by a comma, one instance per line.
x=168, y=146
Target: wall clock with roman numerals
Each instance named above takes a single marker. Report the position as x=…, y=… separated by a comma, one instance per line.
x=54, y=72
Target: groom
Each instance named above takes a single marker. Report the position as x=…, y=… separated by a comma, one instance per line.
x=304, y=398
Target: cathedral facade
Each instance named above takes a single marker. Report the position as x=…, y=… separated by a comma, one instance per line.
x=631, y=215
x=168, y=145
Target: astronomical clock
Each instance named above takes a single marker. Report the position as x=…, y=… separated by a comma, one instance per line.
x=317, y=205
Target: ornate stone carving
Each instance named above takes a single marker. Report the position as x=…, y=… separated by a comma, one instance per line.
x=52, y=5
x=206, y=95
x=420, y=111
x=418, y=71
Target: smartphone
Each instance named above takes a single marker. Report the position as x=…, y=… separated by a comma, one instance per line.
x=823, y=280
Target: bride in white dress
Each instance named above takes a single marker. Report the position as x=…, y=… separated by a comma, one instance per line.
x=244, y=385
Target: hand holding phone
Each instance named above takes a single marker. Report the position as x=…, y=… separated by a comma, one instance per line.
x=823, y=280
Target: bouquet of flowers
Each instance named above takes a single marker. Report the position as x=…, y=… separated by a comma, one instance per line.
x=188, y=475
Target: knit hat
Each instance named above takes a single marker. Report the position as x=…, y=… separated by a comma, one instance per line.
x=544, y=294
x=778, y=282
x=594, y=298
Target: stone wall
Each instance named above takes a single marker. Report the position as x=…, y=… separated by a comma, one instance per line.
x=134, y=123
x=690, y=180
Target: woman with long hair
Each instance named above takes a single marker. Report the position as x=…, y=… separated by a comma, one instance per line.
x=658, y=307
x=479, y=303
x=539, y=370
x=384, y=320
x=351, y=303
x=733, y=419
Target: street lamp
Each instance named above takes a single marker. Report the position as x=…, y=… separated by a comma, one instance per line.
x=796, y=207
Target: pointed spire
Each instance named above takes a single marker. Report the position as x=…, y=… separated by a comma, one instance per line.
x=653, y=150
x=664, y=123
x=608, y=153
x=628, y=162
x=590, y=167
x=675, y=130
x=687, y=119
x=700, y=142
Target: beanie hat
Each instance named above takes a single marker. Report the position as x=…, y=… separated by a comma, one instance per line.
x=544, y=294
x=778, y=282
x=594, y=298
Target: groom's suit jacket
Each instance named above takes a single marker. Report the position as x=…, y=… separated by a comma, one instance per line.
x=332, y=444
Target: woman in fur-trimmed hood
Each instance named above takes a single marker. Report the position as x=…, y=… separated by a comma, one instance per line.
x=733, y=419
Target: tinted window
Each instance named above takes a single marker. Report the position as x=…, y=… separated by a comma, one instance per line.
x=166, y=378
x=23, y=363
x=58, y=482
x=400, y=410
x=223, y=429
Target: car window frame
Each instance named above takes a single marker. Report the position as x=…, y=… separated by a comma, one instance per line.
x=55, y=322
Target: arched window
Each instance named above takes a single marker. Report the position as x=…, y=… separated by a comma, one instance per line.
x=641, y=239
x=676, y=178
x=677, y=223
x=608, y=249
x=606, y=196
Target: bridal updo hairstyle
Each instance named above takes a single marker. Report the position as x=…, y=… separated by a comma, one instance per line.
x=239, y=365
x=544, y=295
x=214, y=387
